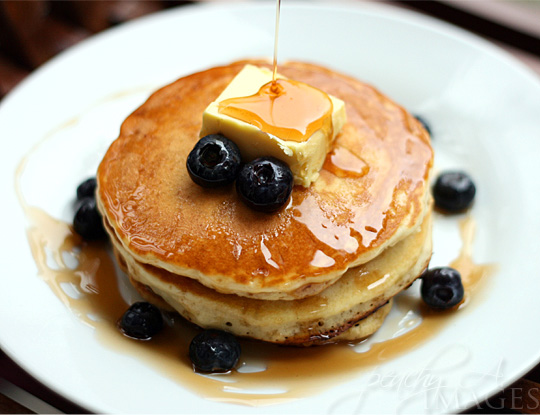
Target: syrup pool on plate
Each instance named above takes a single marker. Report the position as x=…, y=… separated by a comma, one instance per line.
x=84, y=277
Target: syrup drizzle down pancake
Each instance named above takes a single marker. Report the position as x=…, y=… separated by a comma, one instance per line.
x=371, y=193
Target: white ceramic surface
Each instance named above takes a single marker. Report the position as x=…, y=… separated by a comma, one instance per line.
x=483, y=107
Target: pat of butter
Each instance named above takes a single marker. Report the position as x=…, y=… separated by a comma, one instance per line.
x=305, y=158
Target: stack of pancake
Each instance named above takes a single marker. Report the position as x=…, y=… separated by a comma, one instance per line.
x=322, y=269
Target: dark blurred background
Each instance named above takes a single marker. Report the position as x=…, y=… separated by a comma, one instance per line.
x=33, y=31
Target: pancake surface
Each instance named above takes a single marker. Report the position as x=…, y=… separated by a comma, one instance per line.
x=371, y=193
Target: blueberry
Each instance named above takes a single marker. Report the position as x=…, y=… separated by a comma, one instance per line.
x=442, y=288
x=265, y=184
x=87, y=221
x=424, y=123
x=87, y=188
x=214, y=161
x=454, y=191
x=214, y=351
x=141, y=321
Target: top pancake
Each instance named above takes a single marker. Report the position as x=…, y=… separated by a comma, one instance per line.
x=371, y=192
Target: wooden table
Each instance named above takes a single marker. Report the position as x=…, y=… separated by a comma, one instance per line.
x=32, y=32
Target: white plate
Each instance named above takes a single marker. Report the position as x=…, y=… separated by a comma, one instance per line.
x=483, y=107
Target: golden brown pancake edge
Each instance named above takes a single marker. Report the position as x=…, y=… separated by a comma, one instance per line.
x=163, y=219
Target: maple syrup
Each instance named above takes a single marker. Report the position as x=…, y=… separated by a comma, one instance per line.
x=276, y=38
x=84, y=277
x=344, y=163
x=266, y=374
x=473, y=275
x=287, y=109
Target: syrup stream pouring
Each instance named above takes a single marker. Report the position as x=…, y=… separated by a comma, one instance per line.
x=275, y=88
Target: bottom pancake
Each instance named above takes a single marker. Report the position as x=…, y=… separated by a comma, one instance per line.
x=346, y=310
x=361, y=330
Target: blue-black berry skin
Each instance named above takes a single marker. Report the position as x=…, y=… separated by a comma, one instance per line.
x=424, y=123
x=87, y=188
x=87, y=221
x=214, y=161
x=214, y=351
x=141, y=321
x=454, y=191
x=442, y=288
x=265, y=184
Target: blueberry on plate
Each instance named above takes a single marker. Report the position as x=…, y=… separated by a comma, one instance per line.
x=141, y=321
x=424, y=123
x=214, y=351
x=87, y=188
x=87, y=221
x=265, y=184
x=214, y=161
x=454, y=191
x=442, y=288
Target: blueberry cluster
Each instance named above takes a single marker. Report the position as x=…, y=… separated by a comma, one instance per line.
x=263, y=184
x=209, y=351
x=87, y=221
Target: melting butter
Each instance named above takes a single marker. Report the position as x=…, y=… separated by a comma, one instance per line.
x=290, y=110
x=286, y=119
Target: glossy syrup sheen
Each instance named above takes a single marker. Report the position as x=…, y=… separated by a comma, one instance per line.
x=343, y=163
x=266, y=374
x=276, y=38
x=373, y=185
x=287, y=109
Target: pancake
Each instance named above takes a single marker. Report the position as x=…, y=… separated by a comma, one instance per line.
x=339, y=312
x=371, y=193
x=359, y=331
